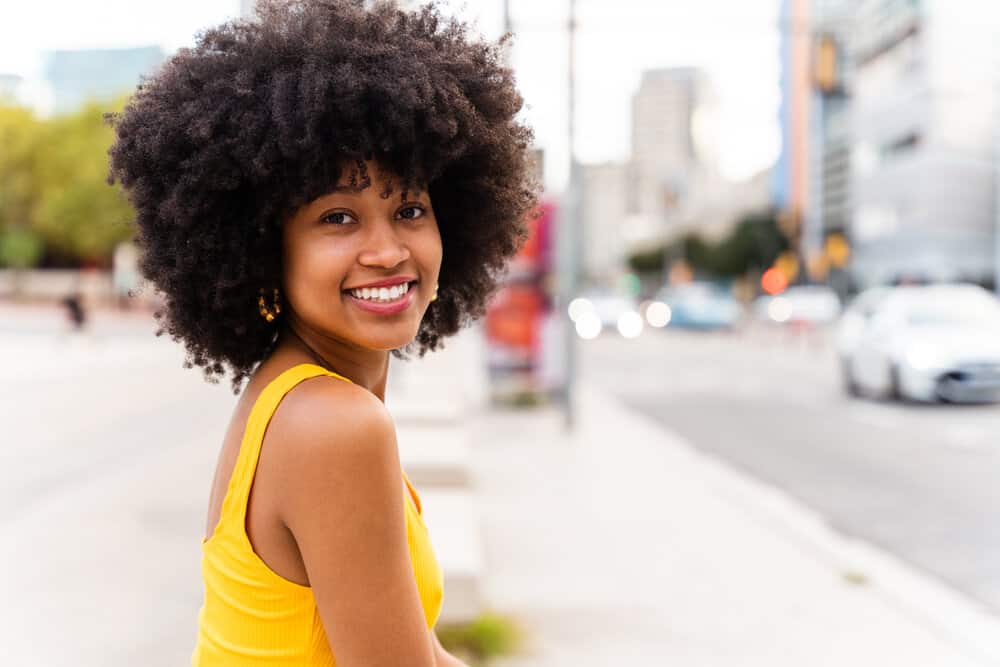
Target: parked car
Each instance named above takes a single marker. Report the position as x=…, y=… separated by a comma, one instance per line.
x=810, y=305
x=922, y=343
x=700, y=305
x=595, y=312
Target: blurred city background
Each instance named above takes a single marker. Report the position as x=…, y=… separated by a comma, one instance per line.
x=736, y=403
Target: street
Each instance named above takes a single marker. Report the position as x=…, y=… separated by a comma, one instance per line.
x=916, y=480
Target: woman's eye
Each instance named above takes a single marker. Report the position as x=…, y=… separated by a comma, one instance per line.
x=337, y=218
x=419, y=212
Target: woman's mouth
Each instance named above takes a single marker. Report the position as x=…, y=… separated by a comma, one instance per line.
x=383, y=300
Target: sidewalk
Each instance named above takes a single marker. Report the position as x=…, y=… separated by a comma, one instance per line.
x=616, y=545
x=620, y=544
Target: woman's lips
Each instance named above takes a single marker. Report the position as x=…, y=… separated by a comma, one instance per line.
x=385, y=308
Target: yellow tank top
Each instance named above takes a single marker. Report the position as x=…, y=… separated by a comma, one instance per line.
x=253, y=616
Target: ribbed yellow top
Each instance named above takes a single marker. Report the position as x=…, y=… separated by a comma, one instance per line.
x=253, y=616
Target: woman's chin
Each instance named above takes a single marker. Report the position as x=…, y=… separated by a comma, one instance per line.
x=388, y=342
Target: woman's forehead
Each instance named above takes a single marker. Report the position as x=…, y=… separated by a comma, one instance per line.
x=358, y=176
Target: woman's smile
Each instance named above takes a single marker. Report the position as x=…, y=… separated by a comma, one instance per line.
x=383, y=300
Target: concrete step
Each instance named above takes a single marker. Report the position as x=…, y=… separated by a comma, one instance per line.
x=434, y=456
x=452, y=519
x=425, y=408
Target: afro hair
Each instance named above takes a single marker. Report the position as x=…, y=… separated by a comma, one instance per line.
x=219, y=147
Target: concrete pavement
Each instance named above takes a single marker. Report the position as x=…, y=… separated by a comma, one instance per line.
x=618, y=544
x=622, y=545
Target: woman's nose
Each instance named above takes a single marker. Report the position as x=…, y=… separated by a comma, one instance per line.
x=384, y=247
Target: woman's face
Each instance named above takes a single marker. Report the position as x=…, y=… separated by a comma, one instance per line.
x=362, y=268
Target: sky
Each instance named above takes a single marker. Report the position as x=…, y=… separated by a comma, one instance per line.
x=735, y=41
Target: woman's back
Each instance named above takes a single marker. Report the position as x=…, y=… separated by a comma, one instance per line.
x=251, y=614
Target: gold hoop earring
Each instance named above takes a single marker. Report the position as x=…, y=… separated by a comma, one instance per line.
x=269, y=313
x=435, y=295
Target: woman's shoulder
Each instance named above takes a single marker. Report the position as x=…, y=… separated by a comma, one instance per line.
x=335, y=446
x=323, y=415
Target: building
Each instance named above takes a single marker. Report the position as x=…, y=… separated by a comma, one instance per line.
x=668, y=165
x=725, y=204
x=923, y=124
x=10, y=85
x=790, y=176
x=828, y=210
x=603, y=211
x=75, y=76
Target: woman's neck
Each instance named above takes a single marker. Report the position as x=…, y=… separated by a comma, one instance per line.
x=364, y=367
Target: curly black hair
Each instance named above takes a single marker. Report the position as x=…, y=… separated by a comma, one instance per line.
x=219, y=147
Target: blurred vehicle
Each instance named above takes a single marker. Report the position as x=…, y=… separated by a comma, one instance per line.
x=700, y=305
x=595, y=312
x=923, y=343
x=857, y=316
x=809, y=305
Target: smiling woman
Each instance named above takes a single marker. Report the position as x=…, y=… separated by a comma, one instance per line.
x=316, y=191
x=360, y=240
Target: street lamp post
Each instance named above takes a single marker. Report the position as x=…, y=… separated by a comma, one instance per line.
x=571, y=230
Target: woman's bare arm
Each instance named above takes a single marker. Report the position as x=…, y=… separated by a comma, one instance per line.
x=342, y=501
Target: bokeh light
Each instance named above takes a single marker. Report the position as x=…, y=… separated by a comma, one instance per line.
x=658, y=314
x=588, y=325
x=630, y=324
x=779, y=309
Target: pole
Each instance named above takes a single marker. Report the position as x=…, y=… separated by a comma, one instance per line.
x=571, y=228
x=996, y=168
x=506, y=29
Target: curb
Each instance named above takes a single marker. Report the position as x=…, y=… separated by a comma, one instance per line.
x=944, y=611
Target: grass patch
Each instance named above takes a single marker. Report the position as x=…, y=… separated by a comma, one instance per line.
x=477, y=642
x=855, y=577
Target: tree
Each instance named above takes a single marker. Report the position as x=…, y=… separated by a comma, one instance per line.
x=79, y=214
x=754, y=243
x=20, y=150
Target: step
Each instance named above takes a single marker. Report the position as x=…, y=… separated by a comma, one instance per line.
x=452, y=520
x=434, y=456
x=425, y=408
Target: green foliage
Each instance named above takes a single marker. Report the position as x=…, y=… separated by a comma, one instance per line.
x=81, y=215
x=754, y=243
x=490, y=635
x=19, y=248
x=20, y=155
x=647, y=261
x=855, y=577
x=53, y=186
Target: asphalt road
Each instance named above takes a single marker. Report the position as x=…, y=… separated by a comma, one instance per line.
x=922, y=482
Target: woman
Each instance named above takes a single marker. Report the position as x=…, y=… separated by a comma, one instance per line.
x=315, y=190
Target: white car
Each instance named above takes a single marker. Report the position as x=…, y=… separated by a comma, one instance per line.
x=811, y=305
x=922, y=343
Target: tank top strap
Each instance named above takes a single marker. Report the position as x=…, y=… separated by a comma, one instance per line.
x=234, y=504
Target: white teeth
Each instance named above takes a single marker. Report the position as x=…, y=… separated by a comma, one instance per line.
x=384, y=294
